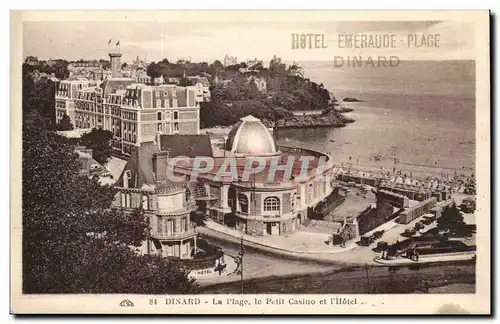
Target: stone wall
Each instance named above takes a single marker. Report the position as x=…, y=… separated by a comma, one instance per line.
x=188, y=128
x=371, y=218
x=255, y=227
x=286, y=203
x=286, y=226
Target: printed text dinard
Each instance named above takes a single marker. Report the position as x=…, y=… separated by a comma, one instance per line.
x=242, y=302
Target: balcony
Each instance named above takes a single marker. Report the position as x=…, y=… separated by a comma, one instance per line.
x=190, y=232
x=265, y=217
x=187, y=208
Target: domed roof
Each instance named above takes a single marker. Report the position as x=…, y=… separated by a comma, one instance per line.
x=250, y=137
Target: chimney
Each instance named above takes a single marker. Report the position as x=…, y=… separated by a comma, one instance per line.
x=115, y=59
x=157, y=140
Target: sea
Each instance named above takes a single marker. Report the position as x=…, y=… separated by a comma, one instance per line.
x=418, y=114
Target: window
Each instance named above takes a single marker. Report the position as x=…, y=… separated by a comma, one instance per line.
x=294, y=198
x=176, y=115
x=243, y=201
x=284, y=227
x=272, y=204
x=159, y=225
x=123, y=200
x=145, y=202
x=170, y=227
x=160, y=128
x=126, y=178
x=159, y=115
x=183, y=225
x=176, y=127
x=188, y=195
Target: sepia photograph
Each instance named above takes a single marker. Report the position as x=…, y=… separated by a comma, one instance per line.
x=250, y=161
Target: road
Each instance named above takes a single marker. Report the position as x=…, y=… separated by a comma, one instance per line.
x=269, y=273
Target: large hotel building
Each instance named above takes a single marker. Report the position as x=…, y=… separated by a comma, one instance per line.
x=133, y=112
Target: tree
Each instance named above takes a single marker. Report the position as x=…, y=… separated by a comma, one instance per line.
x=184, y=82
x=65, y=124
x=99, y=141
x=38, y=97
x=153, y=71
x=452, y=222
x=73, y=242
x=105, y=64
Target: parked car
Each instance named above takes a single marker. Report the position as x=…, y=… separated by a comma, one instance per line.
x=366, y=240
x=428, y=220
x=419, y=226
x=382, y=245
x=378, y=234
x=409, y=232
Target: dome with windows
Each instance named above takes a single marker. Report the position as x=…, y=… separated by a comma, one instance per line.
x=250, y=137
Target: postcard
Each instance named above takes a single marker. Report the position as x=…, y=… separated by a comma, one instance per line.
x=250, y=162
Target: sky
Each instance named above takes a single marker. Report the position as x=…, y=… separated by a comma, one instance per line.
x=211, y=40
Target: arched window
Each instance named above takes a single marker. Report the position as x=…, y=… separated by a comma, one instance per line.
x=188, y=195
x=272, y=204
x=243, y=201
x=127, y=175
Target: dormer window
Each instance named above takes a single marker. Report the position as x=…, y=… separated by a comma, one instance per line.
x=127, y=175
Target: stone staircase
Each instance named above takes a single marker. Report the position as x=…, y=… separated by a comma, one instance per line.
x=306, y=222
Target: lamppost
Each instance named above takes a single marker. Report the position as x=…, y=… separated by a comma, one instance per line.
x=241, y=253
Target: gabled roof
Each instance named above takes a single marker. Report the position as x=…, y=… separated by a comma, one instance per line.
x=140, y=165
x=203, y=80
x=186, y=145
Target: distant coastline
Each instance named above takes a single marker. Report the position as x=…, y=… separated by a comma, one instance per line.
x=330, y=118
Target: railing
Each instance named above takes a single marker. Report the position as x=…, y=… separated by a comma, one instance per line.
x=175, y=236
x=270, y=216
x=191, y=205
x=190, y=231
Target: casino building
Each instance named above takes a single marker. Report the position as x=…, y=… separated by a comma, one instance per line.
x=260, y=205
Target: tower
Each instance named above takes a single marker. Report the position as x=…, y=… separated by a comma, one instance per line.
x=115, y=59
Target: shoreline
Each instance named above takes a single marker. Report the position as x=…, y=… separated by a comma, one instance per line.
x=346, y=270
